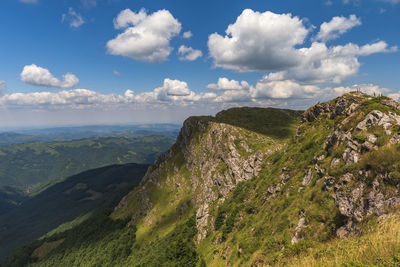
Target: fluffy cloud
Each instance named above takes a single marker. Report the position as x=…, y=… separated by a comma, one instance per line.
x=174, y=88
x=146, y=36
x=269, y=42
x=258, y=42
x=370, y=89
x=236, y=96
x=232, y=90
x=36, y=75
x=188, y=53
x=273, y=86
x=78, y=98
x=75, y=20
x=338, y=25
x=322, y=64
x=187, y=34
x=173, y=92
x=226, y=84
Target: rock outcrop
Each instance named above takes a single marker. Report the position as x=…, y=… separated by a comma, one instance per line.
x=217, y=156
x=354, y=196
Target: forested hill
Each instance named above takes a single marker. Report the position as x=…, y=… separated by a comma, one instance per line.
x=75, y=198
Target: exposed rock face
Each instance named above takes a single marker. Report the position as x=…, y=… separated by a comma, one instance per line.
x=217, y=157
x=300, y=225
x=361, y=201
x=355, y=198
x=218, y=162
x=376, y=117
x=307, y=178
x=272, y=191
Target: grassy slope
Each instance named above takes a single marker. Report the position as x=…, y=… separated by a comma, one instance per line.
x=258, y=230
x=28, y=164
x=63, y=202
x=165, y=237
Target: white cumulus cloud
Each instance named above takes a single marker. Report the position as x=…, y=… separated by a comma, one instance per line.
x=145, y=36
x=36, y=75
x=75, y=20
x=188, y=53
x=226, y=84
x=77, y=98
x=187, y=34
x=371, y=89
x=338, y=25
x=273, y=42
x=258, y=42
x=272, y=86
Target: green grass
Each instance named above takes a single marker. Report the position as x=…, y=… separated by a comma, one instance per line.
x=31, y=166
x=66, y=201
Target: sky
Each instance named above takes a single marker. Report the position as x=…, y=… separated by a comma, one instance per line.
x=74, y=62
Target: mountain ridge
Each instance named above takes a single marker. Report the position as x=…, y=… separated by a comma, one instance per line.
x=235, y=193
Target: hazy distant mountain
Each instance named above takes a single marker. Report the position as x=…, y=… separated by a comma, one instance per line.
x=58, y=134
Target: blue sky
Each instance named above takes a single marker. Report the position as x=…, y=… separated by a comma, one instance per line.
x=288, y=54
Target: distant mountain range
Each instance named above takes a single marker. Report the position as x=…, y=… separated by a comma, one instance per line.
x=57, y=134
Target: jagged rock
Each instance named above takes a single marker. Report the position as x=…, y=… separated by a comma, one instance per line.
x=351, y=156
x=340, y=107
x=319, y=158
x=347, y=230
x=351, y=109
x=237, y=167
x=331, y=142
x=320, y=172
x=307, y=178
x=335, y=162
x=329, y=182
x=372, y=118
x=300, y=225
x=311, y=114
x=367, y=146
x=372, y=138
x=377, y=117
x=395, y=139
x=391, y=103
x=273, y=190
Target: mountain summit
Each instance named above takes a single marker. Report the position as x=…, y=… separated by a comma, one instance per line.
x=258, y=187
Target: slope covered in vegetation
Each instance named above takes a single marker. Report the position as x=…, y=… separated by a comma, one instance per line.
x=31, y=163
x=76, y=196
x=233, y=191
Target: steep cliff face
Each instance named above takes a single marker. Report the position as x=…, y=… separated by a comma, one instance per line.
x=363, y=152
x=255, y=195
x=207, y=162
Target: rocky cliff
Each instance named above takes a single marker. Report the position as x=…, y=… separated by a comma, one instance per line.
x=338, y=171
x=207, y=162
